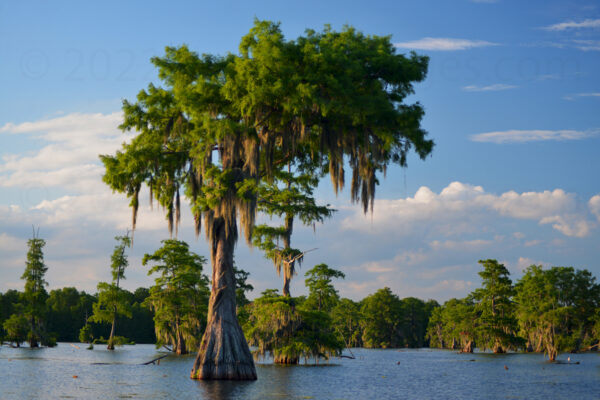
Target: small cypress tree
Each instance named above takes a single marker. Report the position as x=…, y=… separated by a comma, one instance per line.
x=288, y=196
x=35, y=291
x=112, y=300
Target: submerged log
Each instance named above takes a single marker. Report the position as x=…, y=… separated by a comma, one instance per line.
x=154, y=361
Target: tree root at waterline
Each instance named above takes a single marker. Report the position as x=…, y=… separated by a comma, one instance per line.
x=224, y=354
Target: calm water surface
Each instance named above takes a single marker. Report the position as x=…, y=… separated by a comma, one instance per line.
x=374, y=374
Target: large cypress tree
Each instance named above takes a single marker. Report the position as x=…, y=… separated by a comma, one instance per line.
x=219, y=126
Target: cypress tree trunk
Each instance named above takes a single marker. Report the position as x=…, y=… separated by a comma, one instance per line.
x=33, y=335
x=111, y=340
x=280, y=359
x=224, y=352
x=286, y=285
x=468, y=347
x=288, y=270
x=180, y=347
x=498, y=349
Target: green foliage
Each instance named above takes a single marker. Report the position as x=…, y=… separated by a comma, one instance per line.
x=67, y=312
x=179, y=297
x=346, y=319
x=382, y=317
x=454, y=325
x=241, y=286
x=85, y=334
x=415, y=318
x=9, y=305
x=497, y=324
x=278, y=326
x=113, y=301
x=35, y=291
x=556, y=309
x=546, y=311
x=322, y=294
x=327, y=95
x=288, y=196
x=17, y=328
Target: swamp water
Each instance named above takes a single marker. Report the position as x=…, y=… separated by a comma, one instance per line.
x=373, y=375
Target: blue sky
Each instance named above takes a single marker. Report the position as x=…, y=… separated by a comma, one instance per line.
x=511, y=99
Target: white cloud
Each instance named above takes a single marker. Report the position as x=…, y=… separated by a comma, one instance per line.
x=569, y=225
x=524, y=136
x=570, y=25
x=489, y=88
x=69, y=156
x=530, y=205
x=100, y=209
x=443, y=44
x=461, y=208
x=586, y=45
x=594, y=205
x=576, y=95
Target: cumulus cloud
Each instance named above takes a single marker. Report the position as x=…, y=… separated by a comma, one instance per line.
x=100, y=210
x=489, y=88
x=594, y=205
x=525, y=136
x=459, y=204
x=572, y=25
x=69, y=156
x=443, y=44
x=569, y=225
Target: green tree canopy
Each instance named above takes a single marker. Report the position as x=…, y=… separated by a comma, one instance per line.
x=322, y=295
x=494, y=304
x=35, y=292
x=17, y=328
x=179, y=297
x=113, y=301
x=382, y=318
x=556, y=308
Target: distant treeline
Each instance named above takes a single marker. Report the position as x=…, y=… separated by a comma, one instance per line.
x=379, y=320
x=68, y=309
x=548, y=310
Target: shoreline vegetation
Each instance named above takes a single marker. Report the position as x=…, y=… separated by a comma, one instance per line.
x=547, y=311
